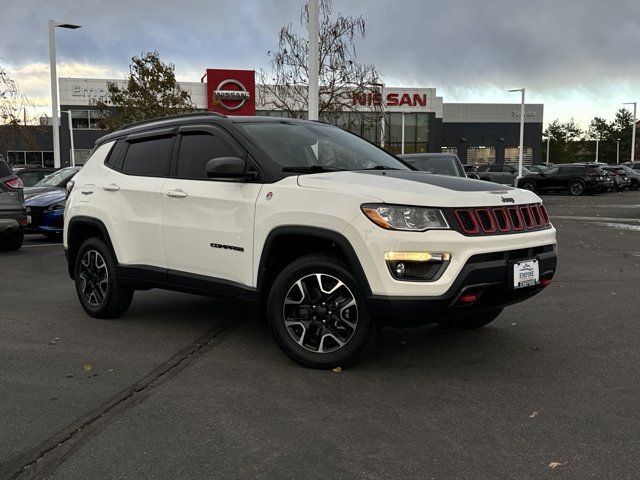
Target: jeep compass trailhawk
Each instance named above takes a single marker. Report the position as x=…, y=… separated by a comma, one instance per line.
x=329, y=234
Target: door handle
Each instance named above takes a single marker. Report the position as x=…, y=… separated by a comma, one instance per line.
x=111, y=188
x=176, y=194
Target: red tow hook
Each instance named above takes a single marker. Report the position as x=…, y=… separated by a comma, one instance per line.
x=545, y=282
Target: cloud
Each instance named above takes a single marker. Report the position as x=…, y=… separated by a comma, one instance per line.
x=576, y=56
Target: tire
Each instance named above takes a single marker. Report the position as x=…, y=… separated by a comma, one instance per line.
x=528, y=185
x=473, y=321
x=634, y=186
x=303, y=295
x=12, y=241
x=576, y=188
x=103, y=296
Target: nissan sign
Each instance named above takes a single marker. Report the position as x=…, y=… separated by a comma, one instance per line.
x=231, y=91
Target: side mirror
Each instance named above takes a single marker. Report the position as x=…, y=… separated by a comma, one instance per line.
x=227, y=168
x=475, y=176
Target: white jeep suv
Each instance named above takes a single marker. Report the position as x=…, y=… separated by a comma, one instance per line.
x=330, y=234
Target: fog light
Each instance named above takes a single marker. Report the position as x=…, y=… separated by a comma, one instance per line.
x=400, y=270
x=416, y=257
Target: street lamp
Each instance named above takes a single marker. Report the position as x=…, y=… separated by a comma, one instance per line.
x=54, y=87
x=597, y=147
x=314, y=58
x=383, y=108
x=521, y=134
x=633, y=135
x=548, y=143
x=617, y=150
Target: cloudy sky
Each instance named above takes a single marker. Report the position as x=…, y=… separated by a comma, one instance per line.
x=580, y=58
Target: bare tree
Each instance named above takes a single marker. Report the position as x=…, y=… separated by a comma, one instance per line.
x=15, y=115
x=343, y=82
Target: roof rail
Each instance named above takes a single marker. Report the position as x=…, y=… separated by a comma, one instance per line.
x=171, y=117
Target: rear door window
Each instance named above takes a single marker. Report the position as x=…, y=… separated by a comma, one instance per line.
x=149, y=157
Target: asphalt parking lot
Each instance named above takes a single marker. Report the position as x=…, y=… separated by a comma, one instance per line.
x=191, y=387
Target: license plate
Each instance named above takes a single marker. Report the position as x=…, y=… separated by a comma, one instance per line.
x=526, y=273
x=28, y=219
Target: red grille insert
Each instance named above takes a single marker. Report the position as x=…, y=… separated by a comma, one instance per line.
x=497, y=220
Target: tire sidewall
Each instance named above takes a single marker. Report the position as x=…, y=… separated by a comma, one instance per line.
x=280, y=288
x=100, y=247
x=576, y=182
x=530, y=184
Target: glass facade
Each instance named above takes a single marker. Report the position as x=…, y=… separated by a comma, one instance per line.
x=368, y=125
x=17, y=158
x=481, y=154
x=511, y=155
x=85, y=119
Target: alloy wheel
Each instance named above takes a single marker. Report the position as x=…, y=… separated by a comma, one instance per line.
x=320, y=313
x=94, y=278
x=576, y=188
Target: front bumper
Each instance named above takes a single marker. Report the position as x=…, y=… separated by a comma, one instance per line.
x=45, y=221
x=487, y=276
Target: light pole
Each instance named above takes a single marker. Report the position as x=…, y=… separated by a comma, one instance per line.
x=55, y=120
x=383, y=108
x=548, y=142
x=633, y=135
x=72, y=151
x=314, y=35
x=617, y=150
x=521, y=134
x=597, y=147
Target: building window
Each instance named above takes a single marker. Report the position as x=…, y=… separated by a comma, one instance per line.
x=37, y=158
x=511, y=155
x=481, y=155
x=81, y=155
x=86, y=119
x=416, y=132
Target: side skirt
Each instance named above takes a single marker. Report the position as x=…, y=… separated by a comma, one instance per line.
x=142, y=277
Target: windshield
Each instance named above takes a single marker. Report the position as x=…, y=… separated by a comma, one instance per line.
x=318, y=147
x=57, y=178
x=444, y=165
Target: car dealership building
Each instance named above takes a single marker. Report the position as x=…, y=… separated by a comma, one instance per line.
x=417, y=120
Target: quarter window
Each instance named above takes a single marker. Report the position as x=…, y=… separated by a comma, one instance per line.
x=149, y=157
x=196, y=149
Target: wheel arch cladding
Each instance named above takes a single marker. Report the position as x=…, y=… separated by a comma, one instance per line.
x=287, y=243
x=80, y=229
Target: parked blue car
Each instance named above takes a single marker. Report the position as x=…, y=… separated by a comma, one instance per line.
x=45, y=203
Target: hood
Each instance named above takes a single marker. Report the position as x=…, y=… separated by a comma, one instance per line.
x=43, y=197
x=418, y=188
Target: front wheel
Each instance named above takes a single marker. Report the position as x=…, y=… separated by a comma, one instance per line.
x=97, y=287
x=317, y=313
x=576, y=188
x=527, y=185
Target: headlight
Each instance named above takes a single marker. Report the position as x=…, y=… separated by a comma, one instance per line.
x=401, y=217
x=57, y=206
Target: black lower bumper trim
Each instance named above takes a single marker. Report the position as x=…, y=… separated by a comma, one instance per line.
x=489, y=281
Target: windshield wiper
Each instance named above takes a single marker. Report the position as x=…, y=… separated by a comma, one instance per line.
x=311, y=169
x=380, y=167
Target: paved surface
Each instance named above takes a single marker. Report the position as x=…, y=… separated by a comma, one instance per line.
x=190, y=387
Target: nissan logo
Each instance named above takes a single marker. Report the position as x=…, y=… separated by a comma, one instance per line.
x=241, y=96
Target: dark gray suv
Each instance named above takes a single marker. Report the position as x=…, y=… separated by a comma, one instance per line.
x=13, y=215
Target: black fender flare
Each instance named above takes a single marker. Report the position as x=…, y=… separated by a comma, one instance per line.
x=82, y=220
x=323, y=233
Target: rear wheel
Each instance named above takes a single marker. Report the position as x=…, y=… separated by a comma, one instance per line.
x=96, y=284
x=634, y=185
x=317, y=313
x=12, y=241
x=576, y=188
x=476, y=320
